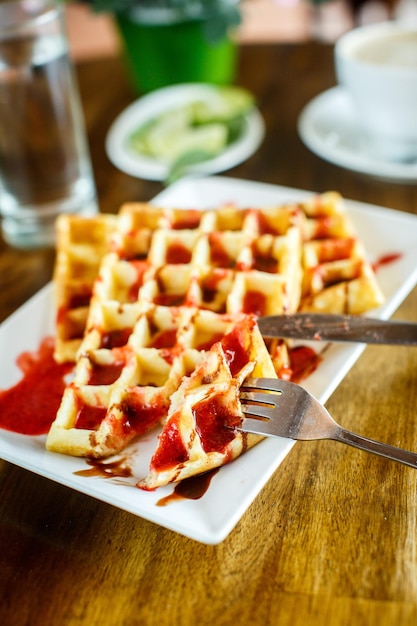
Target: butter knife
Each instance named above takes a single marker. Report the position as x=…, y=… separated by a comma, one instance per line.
x=329, y=327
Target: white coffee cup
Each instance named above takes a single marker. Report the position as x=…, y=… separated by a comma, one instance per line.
x=377, y=65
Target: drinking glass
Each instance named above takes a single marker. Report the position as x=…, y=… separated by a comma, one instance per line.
x=45, y=166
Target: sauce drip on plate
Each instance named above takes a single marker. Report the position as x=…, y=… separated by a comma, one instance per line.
x=386, y=259
x=114, y=468
x=192, y=488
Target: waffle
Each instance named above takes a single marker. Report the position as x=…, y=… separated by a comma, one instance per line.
x=337, y=277
x=224, y=260
x=199, y=432
x=261, y=261
x=172, y=360
x=81, y=244
x=227, y=261
x=171, y=300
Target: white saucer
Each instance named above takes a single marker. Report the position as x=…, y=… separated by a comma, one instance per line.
x=328, y=127
x=160, y=101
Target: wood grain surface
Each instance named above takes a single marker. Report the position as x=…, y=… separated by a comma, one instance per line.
x=330, y=540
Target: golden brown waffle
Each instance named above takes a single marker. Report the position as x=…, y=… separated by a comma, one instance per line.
x=198, y=434
x=175, y=300
x=337, y=277
x=81, y=244
x=124, y=382
x=226, y=260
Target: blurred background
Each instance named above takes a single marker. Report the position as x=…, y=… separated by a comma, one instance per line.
x=262, y=20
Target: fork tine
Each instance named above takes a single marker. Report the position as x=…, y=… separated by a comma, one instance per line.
x=284, y=395
x=260, y=397
x=256, y=426
x=268, y=384
x=258, y=410
x=259, y=404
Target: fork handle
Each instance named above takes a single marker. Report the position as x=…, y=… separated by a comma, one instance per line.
x=376, y=447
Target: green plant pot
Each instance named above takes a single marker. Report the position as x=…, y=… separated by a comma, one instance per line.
x=158, y=55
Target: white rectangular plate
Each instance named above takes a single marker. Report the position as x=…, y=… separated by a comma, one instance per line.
x=212, y=517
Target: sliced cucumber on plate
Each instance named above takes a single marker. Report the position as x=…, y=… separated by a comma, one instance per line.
x=202, y=126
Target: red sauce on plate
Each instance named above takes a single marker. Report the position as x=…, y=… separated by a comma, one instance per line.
x=30, y=406
x=387, y=259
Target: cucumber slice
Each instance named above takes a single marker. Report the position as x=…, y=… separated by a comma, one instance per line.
x=211, y=138
x=205, y=126
x=155, y=138
x=223, y=105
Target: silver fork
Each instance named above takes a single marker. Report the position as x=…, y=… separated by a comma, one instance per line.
x=279, y=408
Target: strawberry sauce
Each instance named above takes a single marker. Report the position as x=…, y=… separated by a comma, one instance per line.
x=30, y=406
x=386, y=259
x=303, y=362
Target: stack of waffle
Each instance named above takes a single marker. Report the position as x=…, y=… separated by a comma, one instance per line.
x=158, y=308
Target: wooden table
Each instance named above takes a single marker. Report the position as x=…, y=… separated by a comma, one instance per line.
x=332, y=537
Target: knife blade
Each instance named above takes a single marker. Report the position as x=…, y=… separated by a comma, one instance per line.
x=329, y=327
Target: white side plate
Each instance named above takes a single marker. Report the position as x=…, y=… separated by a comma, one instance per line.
x=147, y=107
x=329, y=128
